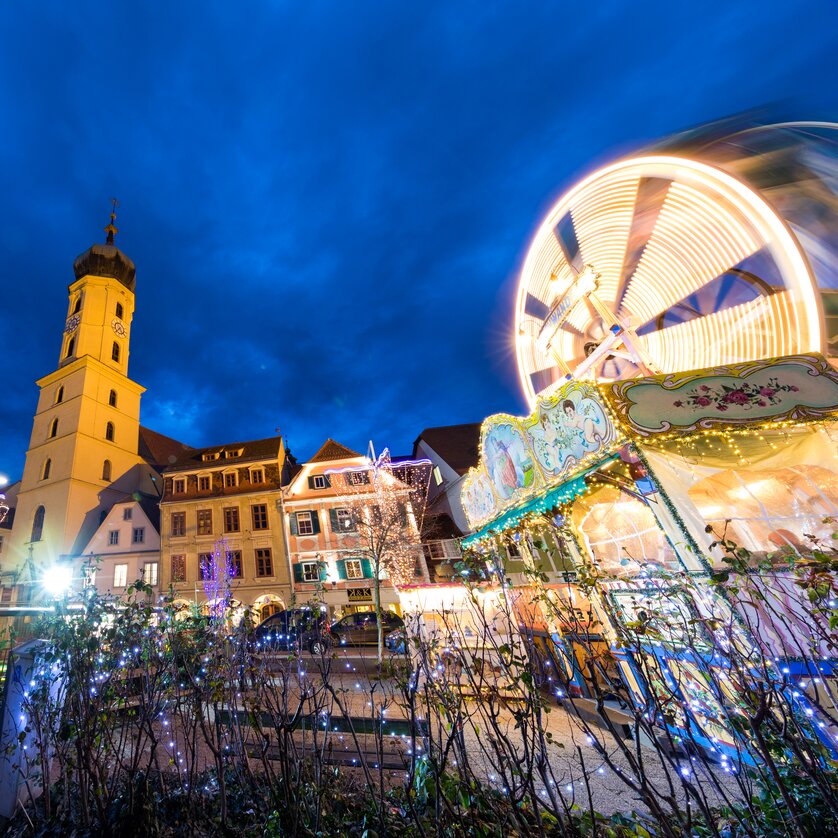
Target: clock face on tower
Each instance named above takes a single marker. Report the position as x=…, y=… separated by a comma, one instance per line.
x=118, y=327
x=72, y=324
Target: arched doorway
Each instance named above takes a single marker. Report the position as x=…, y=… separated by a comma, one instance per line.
x=266, y=605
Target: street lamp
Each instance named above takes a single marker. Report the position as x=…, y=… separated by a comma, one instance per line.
x=57, y=579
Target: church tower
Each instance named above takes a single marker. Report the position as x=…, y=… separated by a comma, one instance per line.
x=82, y=454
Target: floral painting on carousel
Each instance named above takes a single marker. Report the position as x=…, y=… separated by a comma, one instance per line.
x=795, y=387
x=568, y=428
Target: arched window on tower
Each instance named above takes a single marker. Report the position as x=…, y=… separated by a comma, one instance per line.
x=115, y=351
x=112, y=398
x=106, y=470
x=46, y=469
x=71, y=345
x=119, y=310
x=109, y=432
x=59, y=394
x=38, y=524
x=77, y=306
x=53, y=428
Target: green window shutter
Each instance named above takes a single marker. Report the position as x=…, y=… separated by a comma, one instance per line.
x=341, y=565
x=366, y=568
x=324, y=572
x=298, y=572
x=311, y=482
x=292, y=520
x=315, y=521
x=328, y=479
x=333, y=520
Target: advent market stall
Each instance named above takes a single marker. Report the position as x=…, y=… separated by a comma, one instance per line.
x=619, y=482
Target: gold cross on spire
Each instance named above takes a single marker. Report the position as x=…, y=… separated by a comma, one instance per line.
x=111, y=229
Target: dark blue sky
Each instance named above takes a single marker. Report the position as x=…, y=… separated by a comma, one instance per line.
x=328, y=203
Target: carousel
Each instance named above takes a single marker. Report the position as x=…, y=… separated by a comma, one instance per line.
x=675, y=331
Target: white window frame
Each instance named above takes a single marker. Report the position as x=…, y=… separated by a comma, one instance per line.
x=318, y=481
x=257, y=473
x=206, y=477
x=120, y=576
x=308, y=522
x=113, y=538
x=357, y=569
x=306, y=571
x=151, y=573
x=342, y=515
x=234, y=483
x=179, y=486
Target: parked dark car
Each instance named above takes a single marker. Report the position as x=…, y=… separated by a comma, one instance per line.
x=362, y=628
x=293, y=630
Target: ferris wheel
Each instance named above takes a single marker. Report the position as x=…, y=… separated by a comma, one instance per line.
x=662, y=263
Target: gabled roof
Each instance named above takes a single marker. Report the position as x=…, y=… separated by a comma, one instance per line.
x=159, y=450
x=457, y=445
x=256, y=449
x=331, y=450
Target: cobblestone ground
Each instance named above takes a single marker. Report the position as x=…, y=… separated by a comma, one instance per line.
x=579, y=770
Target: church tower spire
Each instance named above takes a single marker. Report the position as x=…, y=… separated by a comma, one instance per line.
x=83, y=450
x=112, y=229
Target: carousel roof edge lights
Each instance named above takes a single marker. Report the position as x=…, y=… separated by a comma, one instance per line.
x=532, y=464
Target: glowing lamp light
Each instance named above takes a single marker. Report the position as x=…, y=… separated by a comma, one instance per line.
x=57, y=579
x=3, y=480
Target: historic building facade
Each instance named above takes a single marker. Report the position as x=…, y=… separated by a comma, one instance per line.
x=226, y=499
x=125, y=549
x=328, y=559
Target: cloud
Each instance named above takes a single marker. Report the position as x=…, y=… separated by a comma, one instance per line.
x=328, y=203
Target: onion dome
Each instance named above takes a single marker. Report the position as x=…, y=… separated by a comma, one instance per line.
x=107, y=259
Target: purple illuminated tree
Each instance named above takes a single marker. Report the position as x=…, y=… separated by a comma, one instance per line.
x=217, y=574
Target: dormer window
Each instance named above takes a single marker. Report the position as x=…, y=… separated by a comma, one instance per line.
x=230, y=479
x=319, y=481
x=179, y=485
x=209, y=456
x=357, y=478
x=257, y=475
x=231, y=455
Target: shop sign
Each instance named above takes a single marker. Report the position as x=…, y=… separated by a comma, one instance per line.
x=793, y=388
x=359, y=594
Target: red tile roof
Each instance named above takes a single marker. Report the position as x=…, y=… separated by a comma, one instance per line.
x=331, y=450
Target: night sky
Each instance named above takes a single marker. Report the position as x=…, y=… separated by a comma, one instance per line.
x=328, y=203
